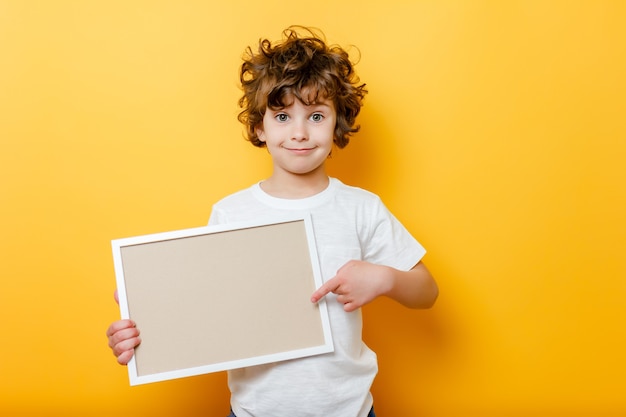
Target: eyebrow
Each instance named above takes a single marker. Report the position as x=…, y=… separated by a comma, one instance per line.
x=310, y=105
x=325, y=103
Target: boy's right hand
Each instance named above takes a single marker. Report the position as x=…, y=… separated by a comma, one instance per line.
x=123, y=337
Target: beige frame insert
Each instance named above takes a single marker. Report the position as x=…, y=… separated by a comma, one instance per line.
x=222, y=297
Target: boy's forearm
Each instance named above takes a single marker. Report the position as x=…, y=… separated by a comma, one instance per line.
x=415, y=288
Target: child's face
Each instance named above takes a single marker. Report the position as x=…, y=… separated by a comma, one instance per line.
x=299, y=137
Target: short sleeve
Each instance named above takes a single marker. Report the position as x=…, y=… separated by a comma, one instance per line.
x=216, y=217
x=387, y=242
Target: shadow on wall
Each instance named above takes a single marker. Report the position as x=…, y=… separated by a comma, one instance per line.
x=360, y=163
x=409, y=345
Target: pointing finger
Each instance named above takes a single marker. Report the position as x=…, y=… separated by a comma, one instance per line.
x=322, y=291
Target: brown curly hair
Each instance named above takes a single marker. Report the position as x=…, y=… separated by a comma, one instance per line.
x=304, y=67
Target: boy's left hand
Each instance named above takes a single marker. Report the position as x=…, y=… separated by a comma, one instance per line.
x=356, y=284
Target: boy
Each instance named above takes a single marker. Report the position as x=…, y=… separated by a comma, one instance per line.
x=301, y=98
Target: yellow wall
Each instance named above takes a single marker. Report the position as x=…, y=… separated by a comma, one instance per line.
x=495, y=130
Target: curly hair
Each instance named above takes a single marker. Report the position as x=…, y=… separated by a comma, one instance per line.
x=304, y=67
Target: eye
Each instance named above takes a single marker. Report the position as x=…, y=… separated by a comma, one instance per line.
x=317, y=117
x=281, y=117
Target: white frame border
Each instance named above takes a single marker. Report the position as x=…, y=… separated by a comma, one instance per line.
x=326, y=347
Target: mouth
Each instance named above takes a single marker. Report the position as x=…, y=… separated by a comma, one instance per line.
x=300, y=150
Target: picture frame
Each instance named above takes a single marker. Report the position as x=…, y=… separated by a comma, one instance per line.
x=221, y=297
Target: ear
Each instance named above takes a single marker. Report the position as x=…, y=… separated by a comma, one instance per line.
x=260, y=133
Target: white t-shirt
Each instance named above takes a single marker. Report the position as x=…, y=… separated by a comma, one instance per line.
x=348, y=223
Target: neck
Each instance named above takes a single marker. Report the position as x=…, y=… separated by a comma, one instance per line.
x=295, y=186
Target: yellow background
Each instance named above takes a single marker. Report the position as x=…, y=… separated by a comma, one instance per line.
x=495, y=130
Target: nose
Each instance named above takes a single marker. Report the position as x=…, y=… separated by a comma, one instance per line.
x=299, y=132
